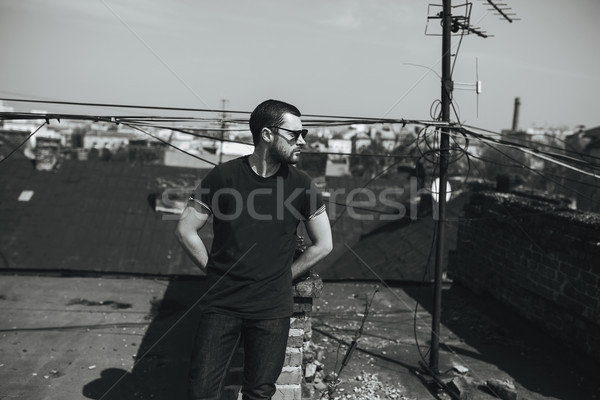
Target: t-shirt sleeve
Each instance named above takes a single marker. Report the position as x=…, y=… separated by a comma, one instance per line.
x=313, y=201
x=203, y=194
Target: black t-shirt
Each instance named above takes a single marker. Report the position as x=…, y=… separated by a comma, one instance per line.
x=255, y=222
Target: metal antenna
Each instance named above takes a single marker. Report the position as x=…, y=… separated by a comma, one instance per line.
x=457, y=25
x=459, y=22
x=471, y=86
x=478, y=83
x=502, y=10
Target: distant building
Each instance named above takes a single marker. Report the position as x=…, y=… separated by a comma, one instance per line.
x=339, y=146
x=386, y=137
x=360, y=141
x=20, y=125
x=337, y=166
x=106, y=139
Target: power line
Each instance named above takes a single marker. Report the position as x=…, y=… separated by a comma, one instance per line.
x=22, y=143
x=559, y=159
x=195, y=134
x=89, y=104
x=548, y=156
x=169, y=144
x=521, y=165
x=531, y=142
x=538, y=172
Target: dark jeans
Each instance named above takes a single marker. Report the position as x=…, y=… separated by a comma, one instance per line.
x=217, y=338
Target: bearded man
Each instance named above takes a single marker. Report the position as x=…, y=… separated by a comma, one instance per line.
x=256, y=202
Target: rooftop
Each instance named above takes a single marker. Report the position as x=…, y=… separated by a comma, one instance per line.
x=96, y=299
x=113, y=338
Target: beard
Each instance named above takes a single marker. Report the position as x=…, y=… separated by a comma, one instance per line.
x=280, y=155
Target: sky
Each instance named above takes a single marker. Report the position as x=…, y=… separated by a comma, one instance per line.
x=349, y=58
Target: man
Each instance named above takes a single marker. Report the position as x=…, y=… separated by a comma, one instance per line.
x=256, y=202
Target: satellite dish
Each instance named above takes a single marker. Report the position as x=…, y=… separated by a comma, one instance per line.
x=435, y=193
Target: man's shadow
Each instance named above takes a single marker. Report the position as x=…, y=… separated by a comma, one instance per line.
x=162, y=361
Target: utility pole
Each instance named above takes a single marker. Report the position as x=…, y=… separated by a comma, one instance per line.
x=223, y=126
x=447, y=87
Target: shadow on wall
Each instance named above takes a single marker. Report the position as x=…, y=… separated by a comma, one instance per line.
x=162, y=360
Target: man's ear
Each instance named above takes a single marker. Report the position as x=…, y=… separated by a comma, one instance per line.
x=266, y=135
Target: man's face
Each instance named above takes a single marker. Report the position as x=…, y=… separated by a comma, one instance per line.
x=286, y=146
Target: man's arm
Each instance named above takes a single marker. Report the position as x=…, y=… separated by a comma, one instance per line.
x=191, y=221
x=319, y=232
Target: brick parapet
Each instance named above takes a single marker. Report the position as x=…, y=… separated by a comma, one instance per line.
x=541, y=260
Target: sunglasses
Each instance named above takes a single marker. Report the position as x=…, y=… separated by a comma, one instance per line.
x=297, y=134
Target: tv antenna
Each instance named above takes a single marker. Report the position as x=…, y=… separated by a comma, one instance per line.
x=451, y=22
x=471, y=86
x=502, y=10
x=460, y=21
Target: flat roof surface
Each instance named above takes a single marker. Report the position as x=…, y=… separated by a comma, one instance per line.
x=129, y=338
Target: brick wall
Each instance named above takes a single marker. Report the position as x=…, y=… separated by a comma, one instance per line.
x=539, y=259
x=290, y=383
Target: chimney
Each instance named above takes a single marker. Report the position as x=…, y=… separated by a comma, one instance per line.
x=515, y=124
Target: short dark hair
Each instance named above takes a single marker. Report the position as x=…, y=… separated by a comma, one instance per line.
x=269, y=113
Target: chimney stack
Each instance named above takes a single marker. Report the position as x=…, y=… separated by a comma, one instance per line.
x=515, y=123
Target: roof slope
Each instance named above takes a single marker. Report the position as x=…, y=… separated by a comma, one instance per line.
x=92, y=215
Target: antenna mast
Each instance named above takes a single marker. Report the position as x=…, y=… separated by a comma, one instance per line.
x=450, y=24
x=447, y=87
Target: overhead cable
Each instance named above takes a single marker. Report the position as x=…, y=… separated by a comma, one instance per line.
x=22, y=143
x=169, y=144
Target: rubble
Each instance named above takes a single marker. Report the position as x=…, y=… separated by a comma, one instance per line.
x=460, y=369
x=464, y=387
x=467, y=388
x=504, y=389
x=370, y=388
x=310, y=371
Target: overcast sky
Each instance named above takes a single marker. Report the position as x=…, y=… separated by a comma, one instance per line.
x=353, y=58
